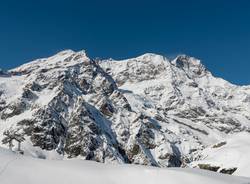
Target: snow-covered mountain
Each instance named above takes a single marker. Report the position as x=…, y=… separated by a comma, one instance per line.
x=146, y=110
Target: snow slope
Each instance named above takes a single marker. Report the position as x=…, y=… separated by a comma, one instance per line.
x=233, y=152
x=19, y=169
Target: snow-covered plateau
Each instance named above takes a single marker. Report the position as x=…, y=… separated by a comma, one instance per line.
x=147, y=110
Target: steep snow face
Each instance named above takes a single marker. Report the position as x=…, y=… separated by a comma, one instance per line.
x=182, y=88
x=62, y=59
x=146, y=110
x=46, y=101
x=147, y=66
x=190, y=65
x=193, y=108
x=28, y=170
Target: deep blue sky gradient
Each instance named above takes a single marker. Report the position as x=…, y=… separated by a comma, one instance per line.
x=215, y=31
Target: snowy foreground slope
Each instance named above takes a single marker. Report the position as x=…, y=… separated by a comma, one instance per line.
x=19, y=169
x=234, y=154
x=146, y=110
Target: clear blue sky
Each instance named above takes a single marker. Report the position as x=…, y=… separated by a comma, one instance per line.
x=216, y=31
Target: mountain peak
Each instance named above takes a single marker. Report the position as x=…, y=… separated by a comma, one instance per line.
x=70, y=51
x=150, y=57
x=63, y=52
x=61, y=59
x=189, y=64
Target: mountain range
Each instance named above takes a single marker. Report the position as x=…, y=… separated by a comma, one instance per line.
x=147, y=110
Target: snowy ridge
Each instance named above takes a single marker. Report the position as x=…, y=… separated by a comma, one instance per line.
x=146, y=110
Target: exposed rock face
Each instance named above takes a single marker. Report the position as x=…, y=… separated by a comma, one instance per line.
x=217, y=168
x=146, y=110
x=209, y=167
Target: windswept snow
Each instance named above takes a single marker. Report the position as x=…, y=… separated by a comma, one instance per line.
x=25, y=170
x=11, y=87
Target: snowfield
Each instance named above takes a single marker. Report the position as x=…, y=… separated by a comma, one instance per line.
x=15, y=168
x=233, y=152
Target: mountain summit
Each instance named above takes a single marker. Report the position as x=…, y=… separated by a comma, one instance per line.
x=146, y=110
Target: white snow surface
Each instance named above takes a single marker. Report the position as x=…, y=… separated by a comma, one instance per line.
x=235, y=153
x=15, y=168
